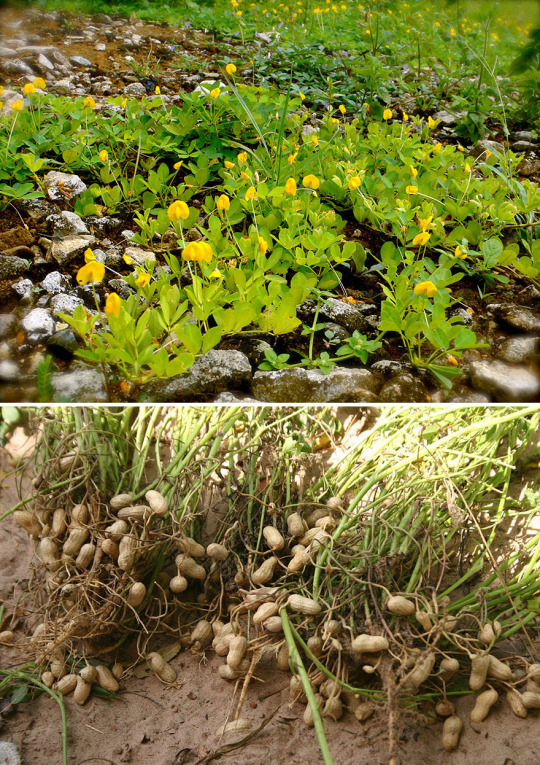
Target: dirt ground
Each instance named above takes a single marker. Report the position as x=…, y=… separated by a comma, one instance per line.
x=150, y=724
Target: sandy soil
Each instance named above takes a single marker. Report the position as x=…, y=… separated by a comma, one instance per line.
x=150, y=724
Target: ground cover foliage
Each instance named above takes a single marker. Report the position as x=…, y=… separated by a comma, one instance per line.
x=255, y=185
x=398, y=577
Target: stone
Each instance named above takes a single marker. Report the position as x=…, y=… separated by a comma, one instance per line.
x=70, y=248
x=63, y=343
x=36, y=209
x=79, y=386
x=8, y=98
x=140, y=257
x=63, y=87
x=234, y=398
x=523, y=146
x=515, y=316
x=24, y=289
x=313, y=386
x=66, y=224
x=464, y=315
x=64, y=304
x=43, y=64
x=121, y=288
x=80, y=61
x=9, y=326
x=469, y=397
x=339, y=333
x=445, y=118
x=351, y=317
x=212, y=373
x=100, y=46
x=55, y=282
x=523, y=135
x=16, y=66
x=516, y=350
x=404, y=388
x=7, y=52
x=9, y=373
x=387, y=367
x=16, y=237
x=11, y=266
x=38, y=325
x=62, y=186
x=504, y=382
x=9, y=754
x=135, y=89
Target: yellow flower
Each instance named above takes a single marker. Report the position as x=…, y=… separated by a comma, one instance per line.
x=460, y=147
x=311, y=182
x=302, y=97
x=104, y=155
x=243, y=175
x=143, y=279
x=437, y=148
x=216, y=274
x=178, y=210
x=178, y=165
x=431, y=122
x=314, y=139
x=124, y=103
x=157, y=91
x=128, y=260
x=414, y=171
x=263, y=246
x=453, y=32
x=467, y=167
x=215, y=93
x=421, y=238
x=113, y=305
x=425, y=223
x=17, y=105
x=28, y=89
x=1, y=90
x=452, y=360
x=291, y=159
x=94, y=271
x=230, y=69
x=89, y=101
x=89, y=255
x=488, y=153
x=460, y=253
x=426, y=288
x=342, y=108
x=290, y=187
x=197, y=251
x=387, y=114
x=411, y=190
x=354, y=182
x=242, y=157
x=228, y=165
x=223, y=202
x=405, y=117
x=250, y=194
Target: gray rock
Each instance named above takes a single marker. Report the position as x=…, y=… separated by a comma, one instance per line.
x=469, y=397
x=16, y=66
x=340, y=334
x=100, y=46
x=24, y=289
x=135, y=89
x=127, y=233
x=64, y=304
x=253, y=348
x=9, y=373
x=70, y=184
x=7, y=52
x=523, y=135
x=38, y=325
x=11, y=266
x=37, y=209
x=9, y=754
x=8, y=98
x=70, y=248
x=404, y=388
x=80, y=61
x=55, y=283
x=9, y=326
x=66, y=224
x=464, y=315
x=518, y=349
x=504, y=382
x=445, y=118
x=387, y=367
x=121, y=288
x=311, y=385
x=487, y=145
x=63, y=87
x=235, y=398
x=82, y=385
x=351, y=317
x=102, y=226
x=140, y=257
x=43, y=64
x=63, y=343
x=213, y=372
x=523, y=146
x=515, y=316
